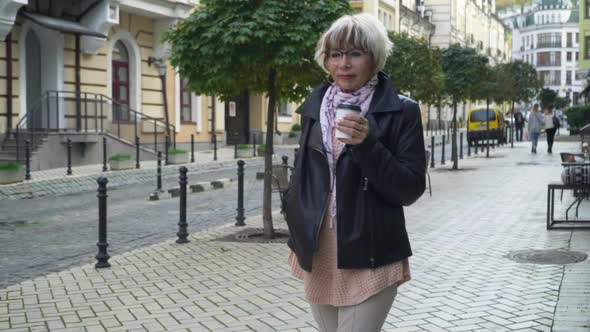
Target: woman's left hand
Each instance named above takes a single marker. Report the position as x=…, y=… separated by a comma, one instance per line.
x=354, y=125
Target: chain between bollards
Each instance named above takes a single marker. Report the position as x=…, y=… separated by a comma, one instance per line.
x=159, y=172
x=137, y=152
x=104, y=154
x=182, y=225
x=102, y=257
x=442, y=157
x=69, y=171
x=192, y=148
x=240, y=217
x=28, y=160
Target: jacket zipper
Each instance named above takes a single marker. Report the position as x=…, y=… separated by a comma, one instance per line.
x=370, y=221
x=317, y=235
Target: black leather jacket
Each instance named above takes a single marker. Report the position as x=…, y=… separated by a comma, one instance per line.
x=375, y=179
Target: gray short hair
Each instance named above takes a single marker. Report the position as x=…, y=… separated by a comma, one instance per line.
x=363, y=31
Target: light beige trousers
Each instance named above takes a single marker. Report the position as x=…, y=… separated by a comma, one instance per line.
x=367, y=316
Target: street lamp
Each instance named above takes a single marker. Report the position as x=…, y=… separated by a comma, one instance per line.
x=161, y=64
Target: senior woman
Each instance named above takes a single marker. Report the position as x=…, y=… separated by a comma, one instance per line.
x=344, y=204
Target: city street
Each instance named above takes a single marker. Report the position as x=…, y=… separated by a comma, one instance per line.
x=471, y=241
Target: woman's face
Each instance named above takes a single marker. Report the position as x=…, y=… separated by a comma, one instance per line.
x=350, y=68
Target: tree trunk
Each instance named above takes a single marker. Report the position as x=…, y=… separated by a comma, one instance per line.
x=270, y=120
x=488, y=127
x=513, y=126
x=454, y=145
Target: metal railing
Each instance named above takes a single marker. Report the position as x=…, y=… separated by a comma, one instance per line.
x=72, y=112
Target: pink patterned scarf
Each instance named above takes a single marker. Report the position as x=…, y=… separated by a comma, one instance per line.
x=333, y=97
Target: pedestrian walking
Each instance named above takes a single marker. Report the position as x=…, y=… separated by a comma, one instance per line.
x=536, y=122
x=344, y=205
x=551, y=125
x=519, y=125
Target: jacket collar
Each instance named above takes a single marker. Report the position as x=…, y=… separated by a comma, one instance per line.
x=382, y=101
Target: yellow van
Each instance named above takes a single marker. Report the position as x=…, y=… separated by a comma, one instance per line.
x=477, y=128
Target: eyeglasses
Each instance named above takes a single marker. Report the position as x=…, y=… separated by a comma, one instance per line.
x=352, y=55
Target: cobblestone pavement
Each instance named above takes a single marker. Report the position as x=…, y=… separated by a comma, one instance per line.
x=50, y=234
x=55, y=182
x=462, y=277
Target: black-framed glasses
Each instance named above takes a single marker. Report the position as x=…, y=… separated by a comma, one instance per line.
x=336, y=56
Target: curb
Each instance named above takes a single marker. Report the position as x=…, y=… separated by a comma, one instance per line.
x=198, y=187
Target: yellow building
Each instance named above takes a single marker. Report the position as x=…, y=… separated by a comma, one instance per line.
x=80, y=69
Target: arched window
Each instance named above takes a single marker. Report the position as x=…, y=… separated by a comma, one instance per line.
x=120, y=65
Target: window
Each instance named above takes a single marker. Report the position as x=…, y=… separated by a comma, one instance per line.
x=549, y=39
x=569, y=56
x=285, y=109
x=587, y=47
x=568, y=77
x=545, y=59
x=569, y=39
x=186, y=114
x=576, y=56
x=587, y=5
x=577, y=38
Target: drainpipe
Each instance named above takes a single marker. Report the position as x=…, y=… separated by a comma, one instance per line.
x=8, y=43
x=78, y=89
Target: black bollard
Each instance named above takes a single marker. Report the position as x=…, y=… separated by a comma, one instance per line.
x=285, y=160
x=182, y=225
x=159, y=172
x=253, y=145
x=236, y=151
x=104, y=154
x=476, y=147
x=69, y=171
x=102, y=257
x=192, y=148
x=461, y=145
x=167, y=147
x=431, y=152
x=511, y=137
x=137, y=152
x=442, y=157
x=28, y=160
x=240, y=217
x=468, y=148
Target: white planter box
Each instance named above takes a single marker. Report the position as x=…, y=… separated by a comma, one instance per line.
x=12, y=176
x=117, y=165
x=181, y=158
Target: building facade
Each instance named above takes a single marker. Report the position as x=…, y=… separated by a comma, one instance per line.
x=584, y=39
x=546, y=35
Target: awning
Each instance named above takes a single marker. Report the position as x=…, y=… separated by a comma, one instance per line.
x=59, y=24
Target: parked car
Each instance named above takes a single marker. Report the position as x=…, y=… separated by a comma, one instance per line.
x=477, y=124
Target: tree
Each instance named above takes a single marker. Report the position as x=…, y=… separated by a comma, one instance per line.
x=464, y=71
x=547, y=97
x=266, y=46
x=414, y=68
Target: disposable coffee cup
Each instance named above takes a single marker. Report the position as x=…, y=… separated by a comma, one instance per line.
x=341, y=111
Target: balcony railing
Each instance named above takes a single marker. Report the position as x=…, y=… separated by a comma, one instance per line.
x=549, y=45
x=71, y=112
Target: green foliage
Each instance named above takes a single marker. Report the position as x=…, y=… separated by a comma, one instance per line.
x=244, y=146
x=296, y=127
x=578, y=116
x=547, y=97
x=414, y=68
x=120, y=156
x=176, y=151
x=517, y=81
x=261, y=147
x=9, y=166
x=228, y=45
x=562, y=102
x=464, y=72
